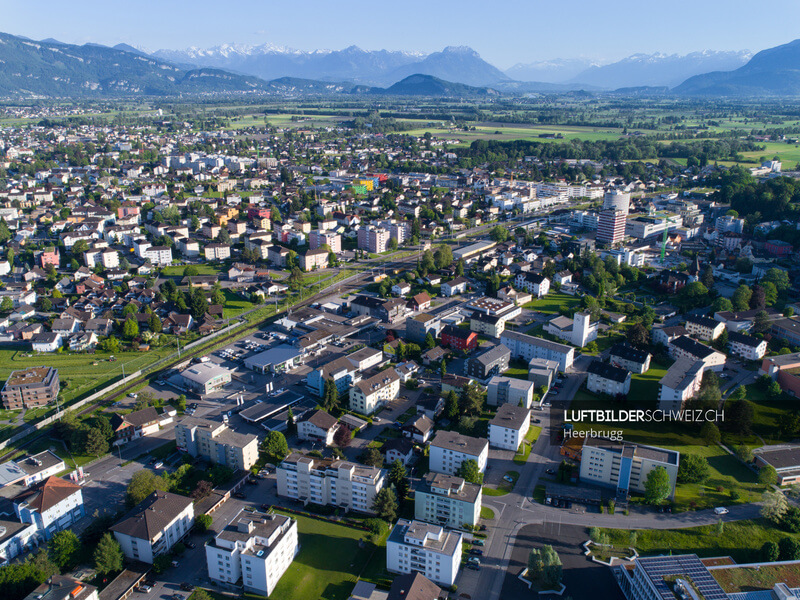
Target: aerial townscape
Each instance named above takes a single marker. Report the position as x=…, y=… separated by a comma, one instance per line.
x=396, y=325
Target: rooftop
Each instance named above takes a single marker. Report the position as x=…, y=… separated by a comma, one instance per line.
x=511, y=417
x=29, y=376
x=608, y=371
x=147, y=520
x=452, y=440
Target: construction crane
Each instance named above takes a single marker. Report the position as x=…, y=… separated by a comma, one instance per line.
x=664, y=245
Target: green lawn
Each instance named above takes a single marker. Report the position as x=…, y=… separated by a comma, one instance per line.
x=487, y=513
x=177, y=270
x=553, y=303
x=521, y=457
x=330, y=561
x=645, y=387
x=741, y=540
x=235, y=305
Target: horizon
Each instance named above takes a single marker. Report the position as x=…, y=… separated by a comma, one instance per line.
x=180, y=26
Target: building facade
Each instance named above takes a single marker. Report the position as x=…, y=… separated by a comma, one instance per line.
x=213, y=441
x=31, y=387
x=449, y=449
x=448, y=501
x=414, y=546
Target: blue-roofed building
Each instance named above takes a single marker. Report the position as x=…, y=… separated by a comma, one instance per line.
x=668, y=578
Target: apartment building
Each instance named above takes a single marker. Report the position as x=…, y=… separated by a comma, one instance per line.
x=50, y=505
x=459, y=338
x=611, y=227
x=216, y=251
x=314, y=259
x=158, y=255
x=537, y=286
x=414, y=546
x=373, y=239
x=747, y=346
x=317, y=426
x=605, y=378
x=509, y=426
x=318, y=239
x=329, y=482
x=108, y=258
x=255, y=548
x=31, y=387
x=213, y=441
x=134, y=425
x=447, y=500
x=686, y=347
x=625, y=466
x=455, y=286
x=368, y=395
x=627, y=357
x=527, y=347
x=675, y=576
x=154, y=526
x=419, y=326
x=342, y=371
x=680, y=383
x=449, y=449
x=509, y=390
x=492, y=361
x=704, y=328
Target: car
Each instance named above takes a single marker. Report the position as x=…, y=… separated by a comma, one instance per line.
x=190, y=544
x=161, y=382
x=176, y=564
x=474, y=560
x=550, y=471
x=476, y=551
x=240, y=495
x=473, y=567
x=265, y=507
x=132, y=395
x=158, y=465
x=177, y=597
x=547, y=405
x=720, y=510
x=508, y=478
x=481, y=527
x=535, y=420
x=478, y=542
x=144, y=589
x=187, y=587
x=251, y=481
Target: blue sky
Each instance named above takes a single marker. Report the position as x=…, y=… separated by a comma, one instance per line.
x=504, y=32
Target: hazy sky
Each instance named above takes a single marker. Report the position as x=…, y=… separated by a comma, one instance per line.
x=504, y=32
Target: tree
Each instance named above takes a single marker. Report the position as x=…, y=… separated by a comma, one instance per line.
x=710, y=433
x=778, y=277
x=498, y=234
x=545, y=565
x=739, y=416
x=342, y=436
x=372, y=457
x=657, y=486
x=143, y=483
x=155, y=324
x=202, y=523
x=161, y=563
x=399, y=478
x=789, y=549
x=693, y=468
x=770, y=551
x=774, y=505
x=108, y=555
x=707, y=278
x=291, y=426
x=443, y=257
x=767, y=475
x=428, y=263
x=7, y=305
x=130, y=329
x=770, y=293
x=471, y=400
x=385, y=505
x=743, y=454
x=638, y=335
x=741, y=298
x=761, y=322
x=275, y=445
x=64, y=548
x=96, y=442
x=469, y=471
x=722, y=304
x=451, y=405
x=330, y=400
x=430, y=342
x=130, y=309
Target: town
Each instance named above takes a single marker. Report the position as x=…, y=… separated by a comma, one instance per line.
x=311, y=361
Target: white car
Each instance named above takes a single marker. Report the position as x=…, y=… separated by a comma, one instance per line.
x=158, y=465
x=721, y=510
x=132, y=395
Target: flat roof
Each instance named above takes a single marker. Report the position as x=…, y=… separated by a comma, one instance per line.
x=204, y=372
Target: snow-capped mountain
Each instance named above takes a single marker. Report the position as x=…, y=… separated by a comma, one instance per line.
x=556, y=70
x=660, y=69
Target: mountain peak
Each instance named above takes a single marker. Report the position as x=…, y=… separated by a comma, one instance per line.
x=460, y=50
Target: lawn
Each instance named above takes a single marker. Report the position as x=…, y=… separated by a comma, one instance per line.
x=330, y=561
x=177, y=270
x=235, y=305
x=487, y=513
x=521, y=457
x=517, y=369
x=741, y=540
x=554, y=303
x=748, y=579
x=503, y=488
x=645, y=387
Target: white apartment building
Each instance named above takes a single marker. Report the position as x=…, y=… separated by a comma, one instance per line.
x=317, y=426
x=447, y=500
x=368, y=395
x=527, y=347
x=254, y=547
x=625, y=466
x=50, y=505
x=419, y=547
x=325, y=482
x=605, y=378
x=509, y=390
x=214, y=442
x=154, y=526
x=627, y=357
x=104, y=256
x=680, y=383
x=449, y=449
x=536, y=285
x=217, y=251
x=509, y=426
x=158, y=255
x=686, y=347
x=747, y=346
x=704, y=328
x=317, y=239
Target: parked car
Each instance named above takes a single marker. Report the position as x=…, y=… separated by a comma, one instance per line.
x=720, y=510
x=508, y=478
x=187, y=587
x=144, y=589
x=132, y=395
x=478, y=542
x=265, y=507
x=176, y=564
x=252, y=481
x=190, y=544
x=240, y=495
x=473, y=560
x=158, y=465
x=550, y=471
x=177, y=597
x=473, y=567
x=476, y=551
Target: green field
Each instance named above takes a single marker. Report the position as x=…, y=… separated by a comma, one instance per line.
x=554, y=303
x=177, y=270
x=330, y=561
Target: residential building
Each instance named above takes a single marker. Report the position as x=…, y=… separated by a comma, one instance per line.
x=411, y=586
x=785, y=459
x=509, y=390
x=605, y=378
x=46, y=342
x=134, y=425
x=448, y=501
x=747, y=346
x=414, y=546
x=418, y=428
x=401, y=449
x=50, y=505
x=373, y=239
x=314, y=259
x=627, y=357
x=537, y=286
x=685, y=346
x=341, y=371
x=31, y=469
x=459, y=338
x=419, y=326
x=205, y=378
x=318, y=239
x=625, y=466
x=154, y=526
x=329, y=482
x=368, y=395
x=492, y=361
x=317, y=426
x=216, y=251
x=449, y=449
x=508, y=428
x=455, y=287
x=542, y=372
x=214, y=442
x=611, y=227
x=664, y=335
x=742, y=321
x=527, y=347
x=680, y=383
x=785, y=369
x=31, y=387
x=158, y=255
x=704, y=328
x=255, y=548
x=787, y=329
x=63, y=587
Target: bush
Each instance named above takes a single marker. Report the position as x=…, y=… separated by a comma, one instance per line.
x=202, y=523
